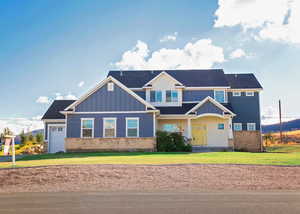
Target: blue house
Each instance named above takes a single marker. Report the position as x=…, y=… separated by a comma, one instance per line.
x=124, y=111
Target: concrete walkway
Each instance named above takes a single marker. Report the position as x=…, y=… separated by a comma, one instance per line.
x=170, y=202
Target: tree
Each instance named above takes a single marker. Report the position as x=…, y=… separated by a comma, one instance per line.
x=268, y=138
x=39, y=138
x=23, y=137
x=31, y=138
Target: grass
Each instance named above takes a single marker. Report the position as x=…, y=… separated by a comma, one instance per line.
x=283, y=148
x=159, y=158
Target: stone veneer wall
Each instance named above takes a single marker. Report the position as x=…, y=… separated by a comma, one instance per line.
x=249, y=141
x=110, y=144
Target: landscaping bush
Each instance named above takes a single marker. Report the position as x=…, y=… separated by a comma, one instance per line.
x=171, y=142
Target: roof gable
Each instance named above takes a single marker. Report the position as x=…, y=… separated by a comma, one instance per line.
x=159, y=76
x=212, y=101
x=53, y=111
x=101, y=84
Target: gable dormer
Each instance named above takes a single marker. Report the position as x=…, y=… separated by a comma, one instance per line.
x=164, y=90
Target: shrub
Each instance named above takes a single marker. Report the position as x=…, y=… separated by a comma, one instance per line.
x=171, y=142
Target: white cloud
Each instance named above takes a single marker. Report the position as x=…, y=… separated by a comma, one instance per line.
x=70, y=96
x=80, y=84
x=17, y=125
x=200, y=54
x=277, y=20
x=270, y=115
x=43, y=99
x=238, y=53
x=171, y=37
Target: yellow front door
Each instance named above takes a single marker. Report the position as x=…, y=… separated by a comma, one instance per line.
x=199, y=133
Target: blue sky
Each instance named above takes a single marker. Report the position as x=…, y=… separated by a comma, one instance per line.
x=49, y=47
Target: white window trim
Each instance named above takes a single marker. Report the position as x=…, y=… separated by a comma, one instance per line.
x=249, y=95
x=115, y=132
x=110, y=86
x=81, y=127
x=240, y=124
x=225, y=97
x=236, y=94
x=172, y=101
x=250, y=124
x=138, y=126
x=162, y=96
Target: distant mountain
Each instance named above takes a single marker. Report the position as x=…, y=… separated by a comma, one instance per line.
x=286, y=126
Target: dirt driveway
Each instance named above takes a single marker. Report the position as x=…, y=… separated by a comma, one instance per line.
x=149, y=178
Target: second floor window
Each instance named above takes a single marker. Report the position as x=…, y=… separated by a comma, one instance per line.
x=220, y=96
x=171, y=96
x=156, y=96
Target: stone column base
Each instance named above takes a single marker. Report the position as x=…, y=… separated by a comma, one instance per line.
x=248, y=141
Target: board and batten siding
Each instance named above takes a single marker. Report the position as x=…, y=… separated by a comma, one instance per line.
x=193, y=95
x=209, y=108
x=145, y=124
x=104, y=100
x=246, y=108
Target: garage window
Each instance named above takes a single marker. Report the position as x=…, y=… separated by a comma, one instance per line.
x=87, y=127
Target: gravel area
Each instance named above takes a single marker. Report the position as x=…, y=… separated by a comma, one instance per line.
x=149, y=178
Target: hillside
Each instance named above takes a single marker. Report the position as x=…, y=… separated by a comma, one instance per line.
x=286, y=126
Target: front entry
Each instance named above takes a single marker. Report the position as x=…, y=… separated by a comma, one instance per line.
x=199, y=135
x=56, y=139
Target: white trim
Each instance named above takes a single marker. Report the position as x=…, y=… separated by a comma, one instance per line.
x=100, y=85
x=238, y=93
x=53, y=120
x=245, y=89
x=225, y=95
x=191, y=101
x=138, y=126
x=93, y=129
x=249, y=124
x=162, y=73
x=115, y=131
x=174, y=116
x=238, y=124
x=249, y=95
x=137, y=89
x=216, y=103
x=107, y=112
x=154, y=124
x=207, y=88
x=211, y=115
x=48, y=135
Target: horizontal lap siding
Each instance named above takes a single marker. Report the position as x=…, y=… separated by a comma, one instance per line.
x=104, y=100
x=210, y=108
x=246, y=108
x=193, y=95
x=145, y=123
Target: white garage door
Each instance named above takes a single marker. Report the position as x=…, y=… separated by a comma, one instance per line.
x=56, y=139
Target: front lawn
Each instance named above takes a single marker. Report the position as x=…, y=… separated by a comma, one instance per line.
x=159, y=158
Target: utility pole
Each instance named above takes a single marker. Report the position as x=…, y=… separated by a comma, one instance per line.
x=280, y=122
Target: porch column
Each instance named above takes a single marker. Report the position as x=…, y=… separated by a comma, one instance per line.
x=230, y=134
x=189, y=128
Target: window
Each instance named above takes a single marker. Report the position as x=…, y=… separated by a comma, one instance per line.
x=59, y=129
x=109, y=127
x=87, y=128
x=251, y=126
x=221, y=126
x=236, y=93
x=171, y=96
x=237, y=127
x=156, y=96
x=249, y=93
x=110, y=86
x=220, y=96
x=170, y=128
x=132, y=127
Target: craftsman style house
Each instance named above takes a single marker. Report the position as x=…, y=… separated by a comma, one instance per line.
x=123, y=112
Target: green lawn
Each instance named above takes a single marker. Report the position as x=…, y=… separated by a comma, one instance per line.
x=159, y=158
x=284, y=148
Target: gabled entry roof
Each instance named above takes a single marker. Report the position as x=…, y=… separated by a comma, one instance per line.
x=214, y=102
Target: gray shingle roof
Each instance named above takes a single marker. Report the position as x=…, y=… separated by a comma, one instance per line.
x=239, y=81
x=55, y=108
x=189, y=78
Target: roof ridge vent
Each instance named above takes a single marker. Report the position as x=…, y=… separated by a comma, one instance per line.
x=235, y=75
x=121, y=73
